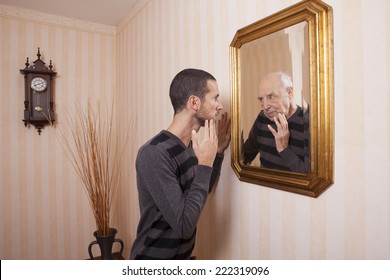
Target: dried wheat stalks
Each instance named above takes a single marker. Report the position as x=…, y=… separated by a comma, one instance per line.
x=88, y=143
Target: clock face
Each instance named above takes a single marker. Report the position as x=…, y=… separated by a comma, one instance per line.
x=38, y=84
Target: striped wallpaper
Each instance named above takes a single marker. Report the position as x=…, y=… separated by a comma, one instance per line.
x=44, y=213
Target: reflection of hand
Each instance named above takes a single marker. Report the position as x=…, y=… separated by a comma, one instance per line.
x=282, y=133
x=206, y=149
x=223, y=133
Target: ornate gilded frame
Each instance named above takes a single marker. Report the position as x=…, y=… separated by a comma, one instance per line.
x=319, y=17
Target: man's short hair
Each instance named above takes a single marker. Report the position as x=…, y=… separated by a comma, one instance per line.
x=186, y=83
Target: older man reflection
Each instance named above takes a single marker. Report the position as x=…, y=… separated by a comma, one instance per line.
x=280, y=133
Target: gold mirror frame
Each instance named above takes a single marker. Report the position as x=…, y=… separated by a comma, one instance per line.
x=319, y=18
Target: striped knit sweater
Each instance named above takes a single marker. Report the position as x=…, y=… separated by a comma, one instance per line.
x=172, y=191
x=295, y=158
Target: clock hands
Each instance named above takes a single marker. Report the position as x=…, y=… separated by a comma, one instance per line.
x=38, y=84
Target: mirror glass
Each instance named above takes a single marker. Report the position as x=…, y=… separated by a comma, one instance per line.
x=284, y=51
x=284, y=64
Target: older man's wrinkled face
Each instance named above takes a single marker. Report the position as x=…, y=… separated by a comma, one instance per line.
x=275, y=98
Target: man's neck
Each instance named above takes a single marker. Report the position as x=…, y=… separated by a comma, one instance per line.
x=182, y=126
x=292, y=110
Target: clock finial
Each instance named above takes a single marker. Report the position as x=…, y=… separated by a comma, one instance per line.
x=39, y=54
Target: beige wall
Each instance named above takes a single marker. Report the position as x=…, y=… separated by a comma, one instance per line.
x=44, y=213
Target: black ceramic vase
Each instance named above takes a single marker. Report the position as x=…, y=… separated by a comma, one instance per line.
x=105, y=244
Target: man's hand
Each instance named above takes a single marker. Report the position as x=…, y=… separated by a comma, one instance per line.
x=223, y=133
x=206, y=149
x=282, y=133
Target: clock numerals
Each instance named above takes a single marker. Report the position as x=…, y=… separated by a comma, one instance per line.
x=38, y=84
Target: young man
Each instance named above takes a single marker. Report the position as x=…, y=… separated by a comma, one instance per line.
x=176, y=169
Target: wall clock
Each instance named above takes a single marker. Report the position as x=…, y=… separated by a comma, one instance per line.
x=38, y=87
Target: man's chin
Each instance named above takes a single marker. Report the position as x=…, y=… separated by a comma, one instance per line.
x=270, y=116
x=201, y=121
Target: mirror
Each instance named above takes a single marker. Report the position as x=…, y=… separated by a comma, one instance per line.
x=284, y=63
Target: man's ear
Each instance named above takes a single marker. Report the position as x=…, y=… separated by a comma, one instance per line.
x=290, y=92
x=194, y=102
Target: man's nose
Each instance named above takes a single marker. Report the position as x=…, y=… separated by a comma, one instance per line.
x=266, y=104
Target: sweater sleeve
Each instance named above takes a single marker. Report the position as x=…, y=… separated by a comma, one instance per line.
x=294, y=163
x=157, y=178
x=216, y=171
x=249, y=148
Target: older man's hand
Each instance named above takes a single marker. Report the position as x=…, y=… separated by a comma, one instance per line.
x=282, y=133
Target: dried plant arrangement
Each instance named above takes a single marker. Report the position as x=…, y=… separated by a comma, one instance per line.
x=88, y=141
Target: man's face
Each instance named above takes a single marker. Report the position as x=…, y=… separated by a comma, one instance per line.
x=274, y=97
x=210, y=105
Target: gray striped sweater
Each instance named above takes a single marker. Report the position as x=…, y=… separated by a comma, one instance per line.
x=172, y=191
x=295, y=158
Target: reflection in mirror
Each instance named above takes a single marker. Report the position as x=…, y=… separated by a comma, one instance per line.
x=283, y=64
x=280, y=133
x=285, y=51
